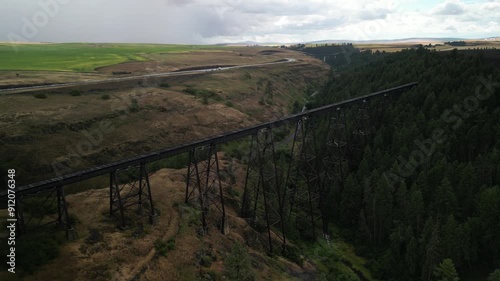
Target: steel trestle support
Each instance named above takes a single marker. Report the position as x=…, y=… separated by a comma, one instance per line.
x=34, y=211
x=263, y=195
x=128, y=188
x=271, y=196
x=204, y=187
x=307, y=199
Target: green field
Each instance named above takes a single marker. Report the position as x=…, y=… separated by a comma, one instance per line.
x=81, y=57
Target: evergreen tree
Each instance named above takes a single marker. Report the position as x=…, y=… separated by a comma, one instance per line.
x=446, y=271
x=411, y=256
x=489, y=216
x=495, y=275
x=416, y=208
x=431, y=246
x=237, y=264
x=402, y=203
x=444, y=202
x=450, y=238
x=363, y=230
x=382, y=209
x=350, y=204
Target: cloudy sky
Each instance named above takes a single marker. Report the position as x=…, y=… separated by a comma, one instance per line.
x=222, y=21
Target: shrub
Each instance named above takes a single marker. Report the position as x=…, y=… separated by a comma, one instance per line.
x=203, y=93
x=191, y=91
x=204, y=100
x=175, y=162
x=105, y=97
x=75, y=93
x=293, y=254
x=38, y=207
x=37, y=250
x=229, y=103
x=211, y=94
x=208, y=275
x=161, y=247
x=238, y=265
x=73, y=219
x=171, y=244
x=495, y=275
x=164, y=85
x=296, y=107
x=236, y=149
x=233, y=192
x=247, y=76
x=206, y=261
x=40, y=96
x=94, y=236
x=231, y=173
x=134, y=105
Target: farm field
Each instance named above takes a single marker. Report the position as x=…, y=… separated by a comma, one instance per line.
x=37, y=64
x=395, y=47
x=81, y=57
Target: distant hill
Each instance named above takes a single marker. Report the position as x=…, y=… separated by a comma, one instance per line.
x=389, y=41
x=412, y=40
x=492, y=38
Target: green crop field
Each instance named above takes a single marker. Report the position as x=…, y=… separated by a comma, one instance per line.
x=81, y=57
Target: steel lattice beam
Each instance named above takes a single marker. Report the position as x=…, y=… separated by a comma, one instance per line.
x=335, y=160
x=35, y=211
x=263, y=194
x=308, y=195
x=128, y=188
x=204, y=187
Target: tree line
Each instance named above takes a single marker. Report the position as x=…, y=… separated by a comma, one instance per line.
x=418, y=207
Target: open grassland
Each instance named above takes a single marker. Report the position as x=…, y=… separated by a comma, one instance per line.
x=80, y=57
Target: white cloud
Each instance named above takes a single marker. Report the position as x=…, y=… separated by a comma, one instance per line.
x=214, y=21
x=491, y=6
x=450, y=7
x=373, y=14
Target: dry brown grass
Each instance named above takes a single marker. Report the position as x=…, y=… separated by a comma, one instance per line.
x=119, y=256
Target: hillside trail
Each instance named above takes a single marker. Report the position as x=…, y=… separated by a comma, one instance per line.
x=133, y=272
